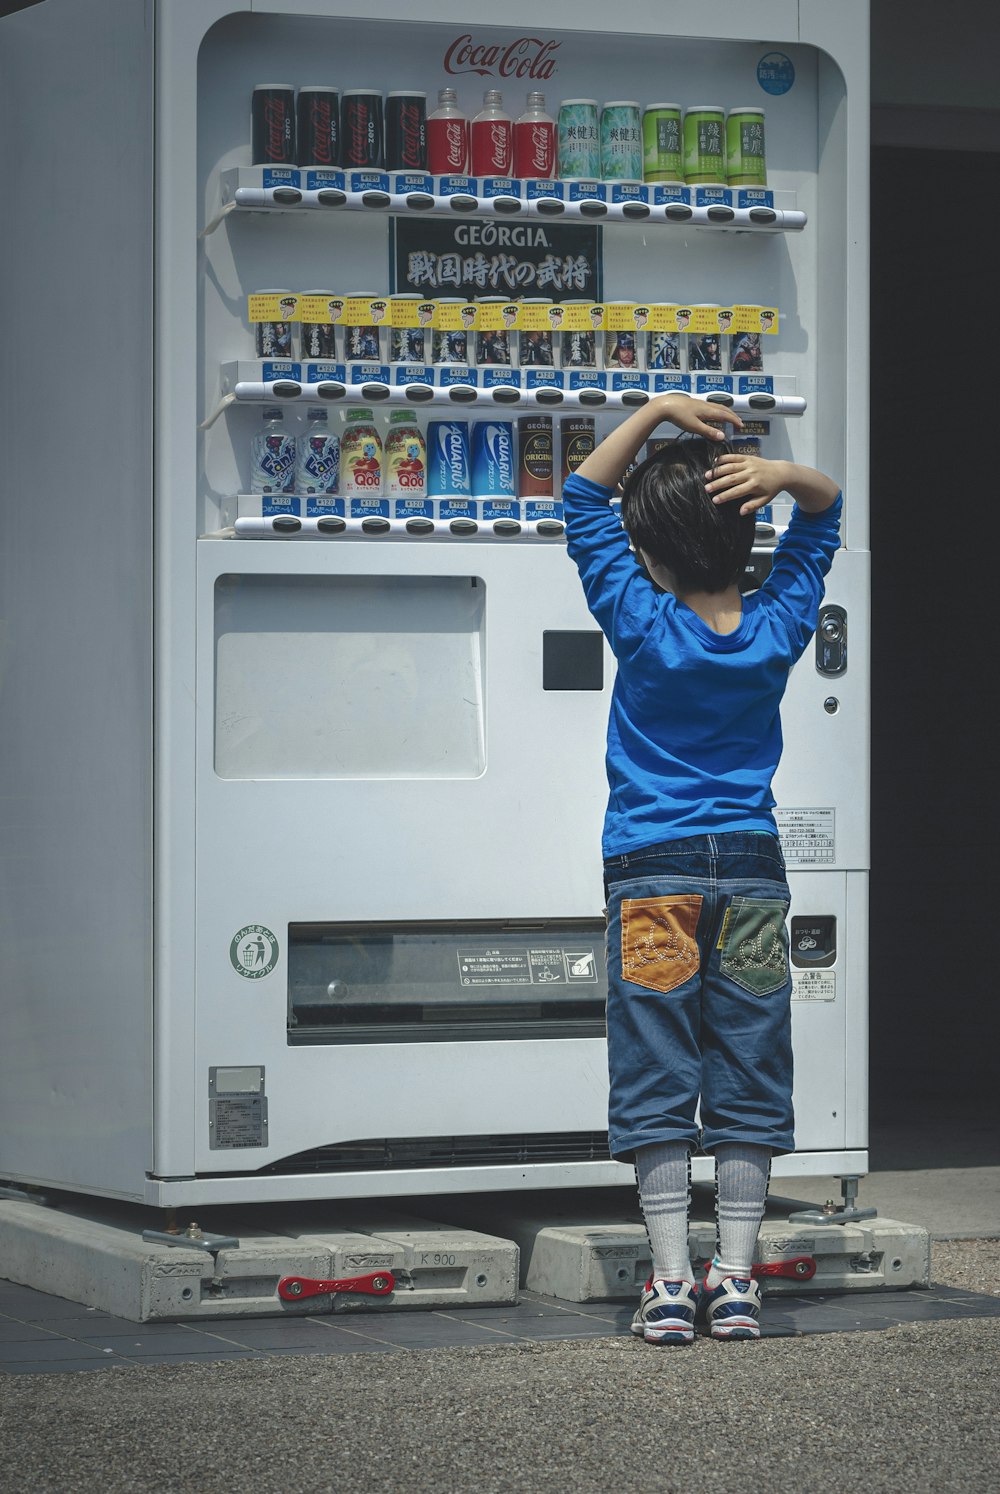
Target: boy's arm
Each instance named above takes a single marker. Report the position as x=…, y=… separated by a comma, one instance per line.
x=754, y=481
x=615, y=453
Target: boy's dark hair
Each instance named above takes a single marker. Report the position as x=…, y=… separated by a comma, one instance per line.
x=667, y=513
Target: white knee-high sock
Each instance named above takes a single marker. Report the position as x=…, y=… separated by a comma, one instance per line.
x=664, y=1173
x=742, y=1173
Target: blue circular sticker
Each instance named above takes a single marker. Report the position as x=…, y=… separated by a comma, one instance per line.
x=775, y=73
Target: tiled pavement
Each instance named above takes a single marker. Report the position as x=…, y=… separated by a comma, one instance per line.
x=44, y=1334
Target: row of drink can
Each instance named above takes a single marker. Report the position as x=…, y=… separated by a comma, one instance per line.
x=501, y=347
x=450, y=459
x=619, y=140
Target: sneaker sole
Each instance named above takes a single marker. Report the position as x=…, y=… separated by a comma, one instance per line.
x=667, y=1335
x=737, y=1330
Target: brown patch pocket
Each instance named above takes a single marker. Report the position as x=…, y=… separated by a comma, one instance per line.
x=659, y=948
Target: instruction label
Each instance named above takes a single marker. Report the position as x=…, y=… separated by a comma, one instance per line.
x=808, y=836
x=527, y=967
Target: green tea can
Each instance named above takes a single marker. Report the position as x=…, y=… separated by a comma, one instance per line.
x=745, y=165
x=705, y=144
x=621, y=141
x=662, y=156
x=579, y=147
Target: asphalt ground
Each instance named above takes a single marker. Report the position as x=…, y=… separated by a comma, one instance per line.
x=909, y=1407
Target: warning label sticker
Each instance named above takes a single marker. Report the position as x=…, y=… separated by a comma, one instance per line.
x=814, y=985
x=808, y=836
x=526, y=967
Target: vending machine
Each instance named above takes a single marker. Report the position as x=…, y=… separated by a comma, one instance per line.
x=308, y=314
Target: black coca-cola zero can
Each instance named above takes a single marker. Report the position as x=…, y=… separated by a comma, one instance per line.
x=361, y=142
x=318, y=126
x=272, y=124
x=406, y=131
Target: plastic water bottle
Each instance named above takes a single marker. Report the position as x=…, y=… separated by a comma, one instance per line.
x=317, y=456
x=272, y=455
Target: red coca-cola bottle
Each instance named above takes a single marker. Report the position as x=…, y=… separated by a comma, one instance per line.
x=492, y=137
x=447, y=137
x=535, y=141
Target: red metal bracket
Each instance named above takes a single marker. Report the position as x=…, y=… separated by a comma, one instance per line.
x=800, y=1268
x=294, y=1288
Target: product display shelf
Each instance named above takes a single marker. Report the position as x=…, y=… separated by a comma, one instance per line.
x=504, y=397
x=336, y=526
x=242, y=190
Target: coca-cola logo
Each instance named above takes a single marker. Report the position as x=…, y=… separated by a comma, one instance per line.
x=323, y=132
x=278, y=128
x=411, y=134
x=527, y=57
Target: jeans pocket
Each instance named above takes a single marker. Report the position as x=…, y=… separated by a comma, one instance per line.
x=659, y=944
x=754, y=944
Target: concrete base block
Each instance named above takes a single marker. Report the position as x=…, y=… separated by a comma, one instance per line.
x=104, y=1262
x=596, y=1260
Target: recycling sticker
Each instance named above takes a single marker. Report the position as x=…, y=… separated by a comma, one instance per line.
x=253, y=952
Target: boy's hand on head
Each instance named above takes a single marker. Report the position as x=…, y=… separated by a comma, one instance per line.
x=752, y=481
x=700, y=416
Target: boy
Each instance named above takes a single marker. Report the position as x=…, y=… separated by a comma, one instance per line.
x=698, y=976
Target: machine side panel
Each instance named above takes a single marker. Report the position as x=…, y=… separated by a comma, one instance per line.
x=75, y=599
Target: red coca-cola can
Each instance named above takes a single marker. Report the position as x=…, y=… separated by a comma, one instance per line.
x=447, y=137
x=406, y=131
x=535, y=148
x=272, y=124
x=317, y=118
x=361, y=130
x=491, y=147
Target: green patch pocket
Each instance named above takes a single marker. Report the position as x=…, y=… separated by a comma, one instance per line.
x=754, y=944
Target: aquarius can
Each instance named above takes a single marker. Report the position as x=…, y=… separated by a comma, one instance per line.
x=621, y=141
x=579, y=145
x=662, y=155
x=494, y=470
x=405, y=457
x=448, y=465
x=534, y=456
x=745, y=164
x=705, y=143
x=576, y=442
x=361, y=455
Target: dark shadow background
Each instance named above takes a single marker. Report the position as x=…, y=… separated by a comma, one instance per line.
x=935, y=498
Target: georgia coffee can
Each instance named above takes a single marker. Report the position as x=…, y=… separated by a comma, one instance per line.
x=406, y=131
x=576, y=439
x=361, y=130
x=534, y=447
x=272, y=124
x=317, y=119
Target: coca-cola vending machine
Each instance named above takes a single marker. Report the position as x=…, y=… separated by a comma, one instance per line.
x=303, y=712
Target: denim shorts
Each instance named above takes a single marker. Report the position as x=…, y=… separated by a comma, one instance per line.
x=699, y=994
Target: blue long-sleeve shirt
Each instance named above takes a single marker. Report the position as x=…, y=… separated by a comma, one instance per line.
x=694, y=733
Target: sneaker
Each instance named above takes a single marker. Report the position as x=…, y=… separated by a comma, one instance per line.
x=666, y=1312
x=731, y=1309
